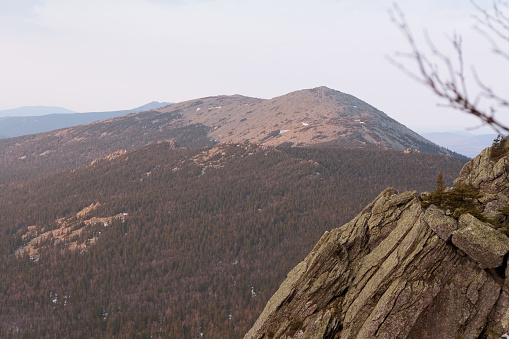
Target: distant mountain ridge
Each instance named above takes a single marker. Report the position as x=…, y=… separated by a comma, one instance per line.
x=34, y=111
x=14, y=126
x=464, y=143
x=151, y=105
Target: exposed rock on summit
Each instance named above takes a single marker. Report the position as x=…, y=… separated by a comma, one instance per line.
x=400, y=270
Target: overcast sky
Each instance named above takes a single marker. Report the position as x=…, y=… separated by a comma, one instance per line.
x=99, y=55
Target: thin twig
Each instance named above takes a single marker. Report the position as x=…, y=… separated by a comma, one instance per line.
x=453, y=89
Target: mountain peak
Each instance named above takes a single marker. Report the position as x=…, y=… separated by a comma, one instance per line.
x=310, y=117
x=151, y=105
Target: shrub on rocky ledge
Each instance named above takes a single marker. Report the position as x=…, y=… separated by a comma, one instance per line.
x=456, y=201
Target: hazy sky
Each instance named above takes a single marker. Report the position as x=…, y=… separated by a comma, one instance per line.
x=98, y=55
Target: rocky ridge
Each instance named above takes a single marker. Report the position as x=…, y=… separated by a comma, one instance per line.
x=400, y=270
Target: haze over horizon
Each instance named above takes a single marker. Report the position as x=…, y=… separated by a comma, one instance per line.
x=109, y=55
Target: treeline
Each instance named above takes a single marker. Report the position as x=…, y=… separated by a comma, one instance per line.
x=208, y=237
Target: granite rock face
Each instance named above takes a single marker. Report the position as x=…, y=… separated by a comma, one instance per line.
x=399, y=270
x=484, y=173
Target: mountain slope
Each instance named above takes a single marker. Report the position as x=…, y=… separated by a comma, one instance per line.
x=320, y=117
x=406, y=269
x=14, y=126
x=27, y=156
x=174, y=242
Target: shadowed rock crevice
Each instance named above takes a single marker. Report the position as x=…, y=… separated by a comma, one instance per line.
x=501, y=270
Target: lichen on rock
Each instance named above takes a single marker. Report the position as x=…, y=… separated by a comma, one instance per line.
x=440, y=223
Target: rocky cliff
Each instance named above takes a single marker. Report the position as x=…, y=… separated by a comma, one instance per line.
x=401, y=270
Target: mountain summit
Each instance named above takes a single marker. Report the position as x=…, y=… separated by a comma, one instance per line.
x=311, y=117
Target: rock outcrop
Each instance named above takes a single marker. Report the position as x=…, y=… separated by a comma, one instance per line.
x=400, y=270
x=486, y=174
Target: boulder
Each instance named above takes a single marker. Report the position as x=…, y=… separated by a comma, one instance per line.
x=480, y=242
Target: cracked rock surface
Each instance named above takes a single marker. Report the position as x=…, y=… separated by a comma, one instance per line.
x=399, y=270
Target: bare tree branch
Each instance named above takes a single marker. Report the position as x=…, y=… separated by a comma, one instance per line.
x=453, y=87
x=496, y=24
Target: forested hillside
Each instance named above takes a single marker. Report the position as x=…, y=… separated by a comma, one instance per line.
x=166, y=241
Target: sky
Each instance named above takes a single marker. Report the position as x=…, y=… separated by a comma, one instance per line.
x=102, y=55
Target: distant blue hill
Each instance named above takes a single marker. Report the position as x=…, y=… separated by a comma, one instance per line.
x=460, y=142
x=34, y=111
x=14, y=126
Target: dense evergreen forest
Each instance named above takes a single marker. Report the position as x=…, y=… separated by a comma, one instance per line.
x=204, y=238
